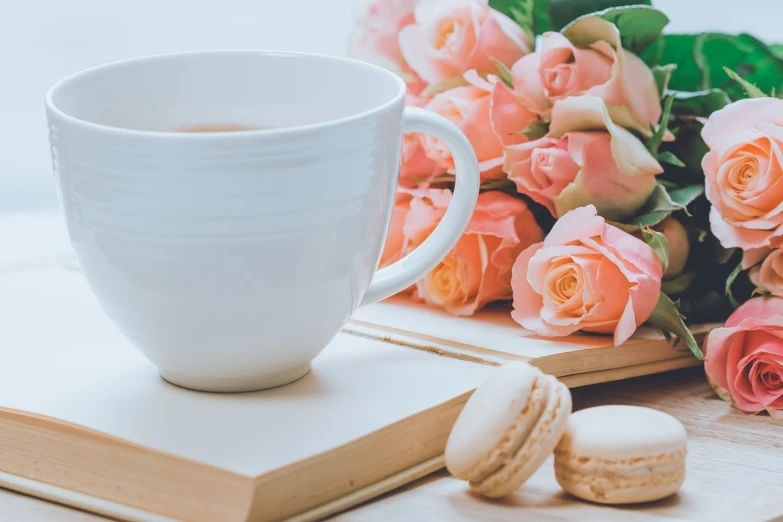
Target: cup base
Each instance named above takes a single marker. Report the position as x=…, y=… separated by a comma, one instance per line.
x=235, y=384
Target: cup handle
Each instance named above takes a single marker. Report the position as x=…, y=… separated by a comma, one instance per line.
x=400, y=275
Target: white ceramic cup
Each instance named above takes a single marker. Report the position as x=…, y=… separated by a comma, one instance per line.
x=231, y=259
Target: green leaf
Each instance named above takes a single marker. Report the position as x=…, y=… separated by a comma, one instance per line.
x=639, y=25
x=732, y=277
x=667, y=318
x=654, y=141
x=662, y=75
x=670, y=158
x=523, y=13
x=660, y=205
x=733, y=300
x=690, y=148
x=531, y=15
x=700, y=59
x=652, y=55
x=536, y=129
x=668, y=185
x=686, y=195
x=751, y=90
x=563, y=12
x=730, y=281
x=777, y=50
x=504, y=73
x=699, y=103
x=659, y=244
x=678, y=284
x=497, y=184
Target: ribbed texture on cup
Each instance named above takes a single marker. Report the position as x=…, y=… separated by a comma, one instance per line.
x=187, y=189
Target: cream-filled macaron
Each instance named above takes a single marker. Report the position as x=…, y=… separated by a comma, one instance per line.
x=507, y=429
x=621, y=455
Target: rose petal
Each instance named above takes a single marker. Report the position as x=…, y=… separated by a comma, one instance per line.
x=760, y=308
x=738, y=237
x=527, y=84
x=508, y=116
x=541, y=169
x=616, y=194
x=716, y=349
x=496, y=214
x=611, y=296
x=627, y=324
x=754, y=256
x=500, y=39
x=631, y=94
x=573, y=226
x=740, y=116
x=588, y=113
x=412, y=40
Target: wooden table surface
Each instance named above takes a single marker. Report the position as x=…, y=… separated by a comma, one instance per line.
x=735, y=472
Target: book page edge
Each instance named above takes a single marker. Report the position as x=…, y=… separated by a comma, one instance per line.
x=372, y=491
x=112, y=509
x=78, y=500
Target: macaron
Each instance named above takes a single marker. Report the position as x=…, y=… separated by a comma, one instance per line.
x=621, y=455
x=507, y=429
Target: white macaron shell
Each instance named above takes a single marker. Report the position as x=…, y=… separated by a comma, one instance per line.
x=489, y=412
x=622, y=432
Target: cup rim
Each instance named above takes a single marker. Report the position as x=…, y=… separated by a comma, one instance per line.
x=321, y=125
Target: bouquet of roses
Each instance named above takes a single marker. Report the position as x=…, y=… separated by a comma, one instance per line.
x=620, y=184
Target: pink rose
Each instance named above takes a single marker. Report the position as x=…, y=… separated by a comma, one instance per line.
x=416, y=166
x=489, y=116
x=542, y=169
x=478, y=269
x=395, y=245
x=598, y=66
x=744, y=176
x=379, y=25
x=769, y=274
x=414, y=84
x=586, y=275
x=586, y=160
x=450, y=37
x=745, y=358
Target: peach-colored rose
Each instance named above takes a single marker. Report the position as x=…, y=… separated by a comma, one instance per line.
x=769, y=273
x=679, y=245
x=586, y=159
x=416, y=167
x=394, y=247
x=744, y=177
x=478, y=269
x=542, y=169
x=489, y=116
x=598, y=66
x=745, y=358
x=586, y=275
x=450, y=37
x=379, y=24
x=413, y=82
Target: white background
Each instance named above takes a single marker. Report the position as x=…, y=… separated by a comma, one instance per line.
x=44, y=40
